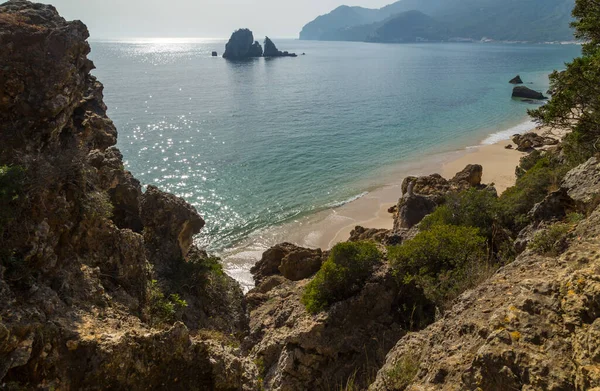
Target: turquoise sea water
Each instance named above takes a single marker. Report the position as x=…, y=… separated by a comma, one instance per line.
x=258, y=143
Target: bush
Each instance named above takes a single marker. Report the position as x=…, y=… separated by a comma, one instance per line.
x=470, y=208
x=444, y=260
x=343, y=274
x=163, y=309
x=552, y=241
x=543, y=178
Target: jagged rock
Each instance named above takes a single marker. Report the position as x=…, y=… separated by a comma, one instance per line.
x=169, y=226
x=516, y=80
x=527, y=93
x=531, y=326
x=526, y=142
x=241, y=46
x=470, y=175
x=272, y=51
x=293, y=262
x=74, y=297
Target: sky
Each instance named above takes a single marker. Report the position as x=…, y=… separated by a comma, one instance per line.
x=110, y=19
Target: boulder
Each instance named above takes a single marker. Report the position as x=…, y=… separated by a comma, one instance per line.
x=241, y=46
x=527, y=93
x=582, y=185
x=516, y=80
x=293, y=262
x=470, y=175
x=421, y=195
x=272, y=51
x=526, y=142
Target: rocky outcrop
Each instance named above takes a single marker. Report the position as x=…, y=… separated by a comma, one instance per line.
x=527, y=93
x=242, y=46
x=516, y=80
x=531, y=326
x=526, y=142
x=582, y=185
x=423, y=194
x=272, y=51
x=293, y=262
x=80, y=244
x=298, y=351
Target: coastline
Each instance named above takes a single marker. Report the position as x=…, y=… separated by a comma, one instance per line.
x=329, y=227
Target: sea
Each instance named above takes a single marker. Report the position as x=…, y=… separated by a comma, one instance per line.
x=257, y=144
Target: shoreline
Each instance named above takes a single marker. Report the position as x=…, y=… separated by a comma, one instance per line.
x=329, y=227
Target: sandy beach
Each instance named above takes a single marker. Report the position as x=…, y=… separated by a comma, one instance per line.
x=327, y=228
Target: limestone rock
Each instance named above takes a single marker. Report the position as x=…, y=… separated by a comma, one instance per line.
x=527, y=93
x=242, y=46
x=583, y=184
x=531, y=326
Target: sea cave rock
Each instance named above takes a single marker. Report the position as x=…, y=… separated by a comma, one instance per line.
x=527, y=93
x=242, y=46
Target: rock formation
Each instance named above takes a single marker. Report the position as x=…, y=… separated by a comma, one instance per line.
x=272, y=51
x=423, y=194
x=516, y=80
x=534, y=325
x=88, y=262
x=526, y=142
x=527, y=93
x=101, y=286
x=242, y=46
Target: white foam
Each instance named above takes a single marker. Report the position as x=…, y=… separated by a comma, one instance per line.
x=349, y=200
x=508, y=133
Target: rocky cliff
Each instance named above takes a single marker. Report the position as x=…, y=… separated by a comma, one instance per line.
x=90, y=265
x=101, y=286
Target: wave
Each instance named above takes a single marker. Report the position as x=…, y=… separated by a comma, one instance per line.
x=337, y=204
x=508, y=133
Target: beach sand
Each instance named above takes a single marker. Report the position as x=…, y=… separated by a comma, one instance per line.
x=327, y=228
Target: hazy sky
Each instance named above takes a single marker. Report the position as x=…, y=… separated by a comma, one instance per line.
x=198, y=18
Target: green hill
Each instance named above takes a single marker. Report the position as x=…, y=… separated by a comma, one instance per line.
x=437, y=20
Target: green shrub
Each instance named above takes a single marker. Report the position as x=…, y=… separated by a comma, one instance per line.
x=163, y=309
x=444, y=260
x=552, y=241
x=543, y=178
x=470, y=208
x=403, y=372
x=527, y=163
x=343, y=274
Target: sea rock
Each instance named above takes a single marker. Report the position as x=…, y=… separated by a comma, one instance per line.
x=527, y=93
x=293, y=262
x=516, y=80
x=215, y=54
x=272, y=51
x=242, y=46
x=526, y=142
